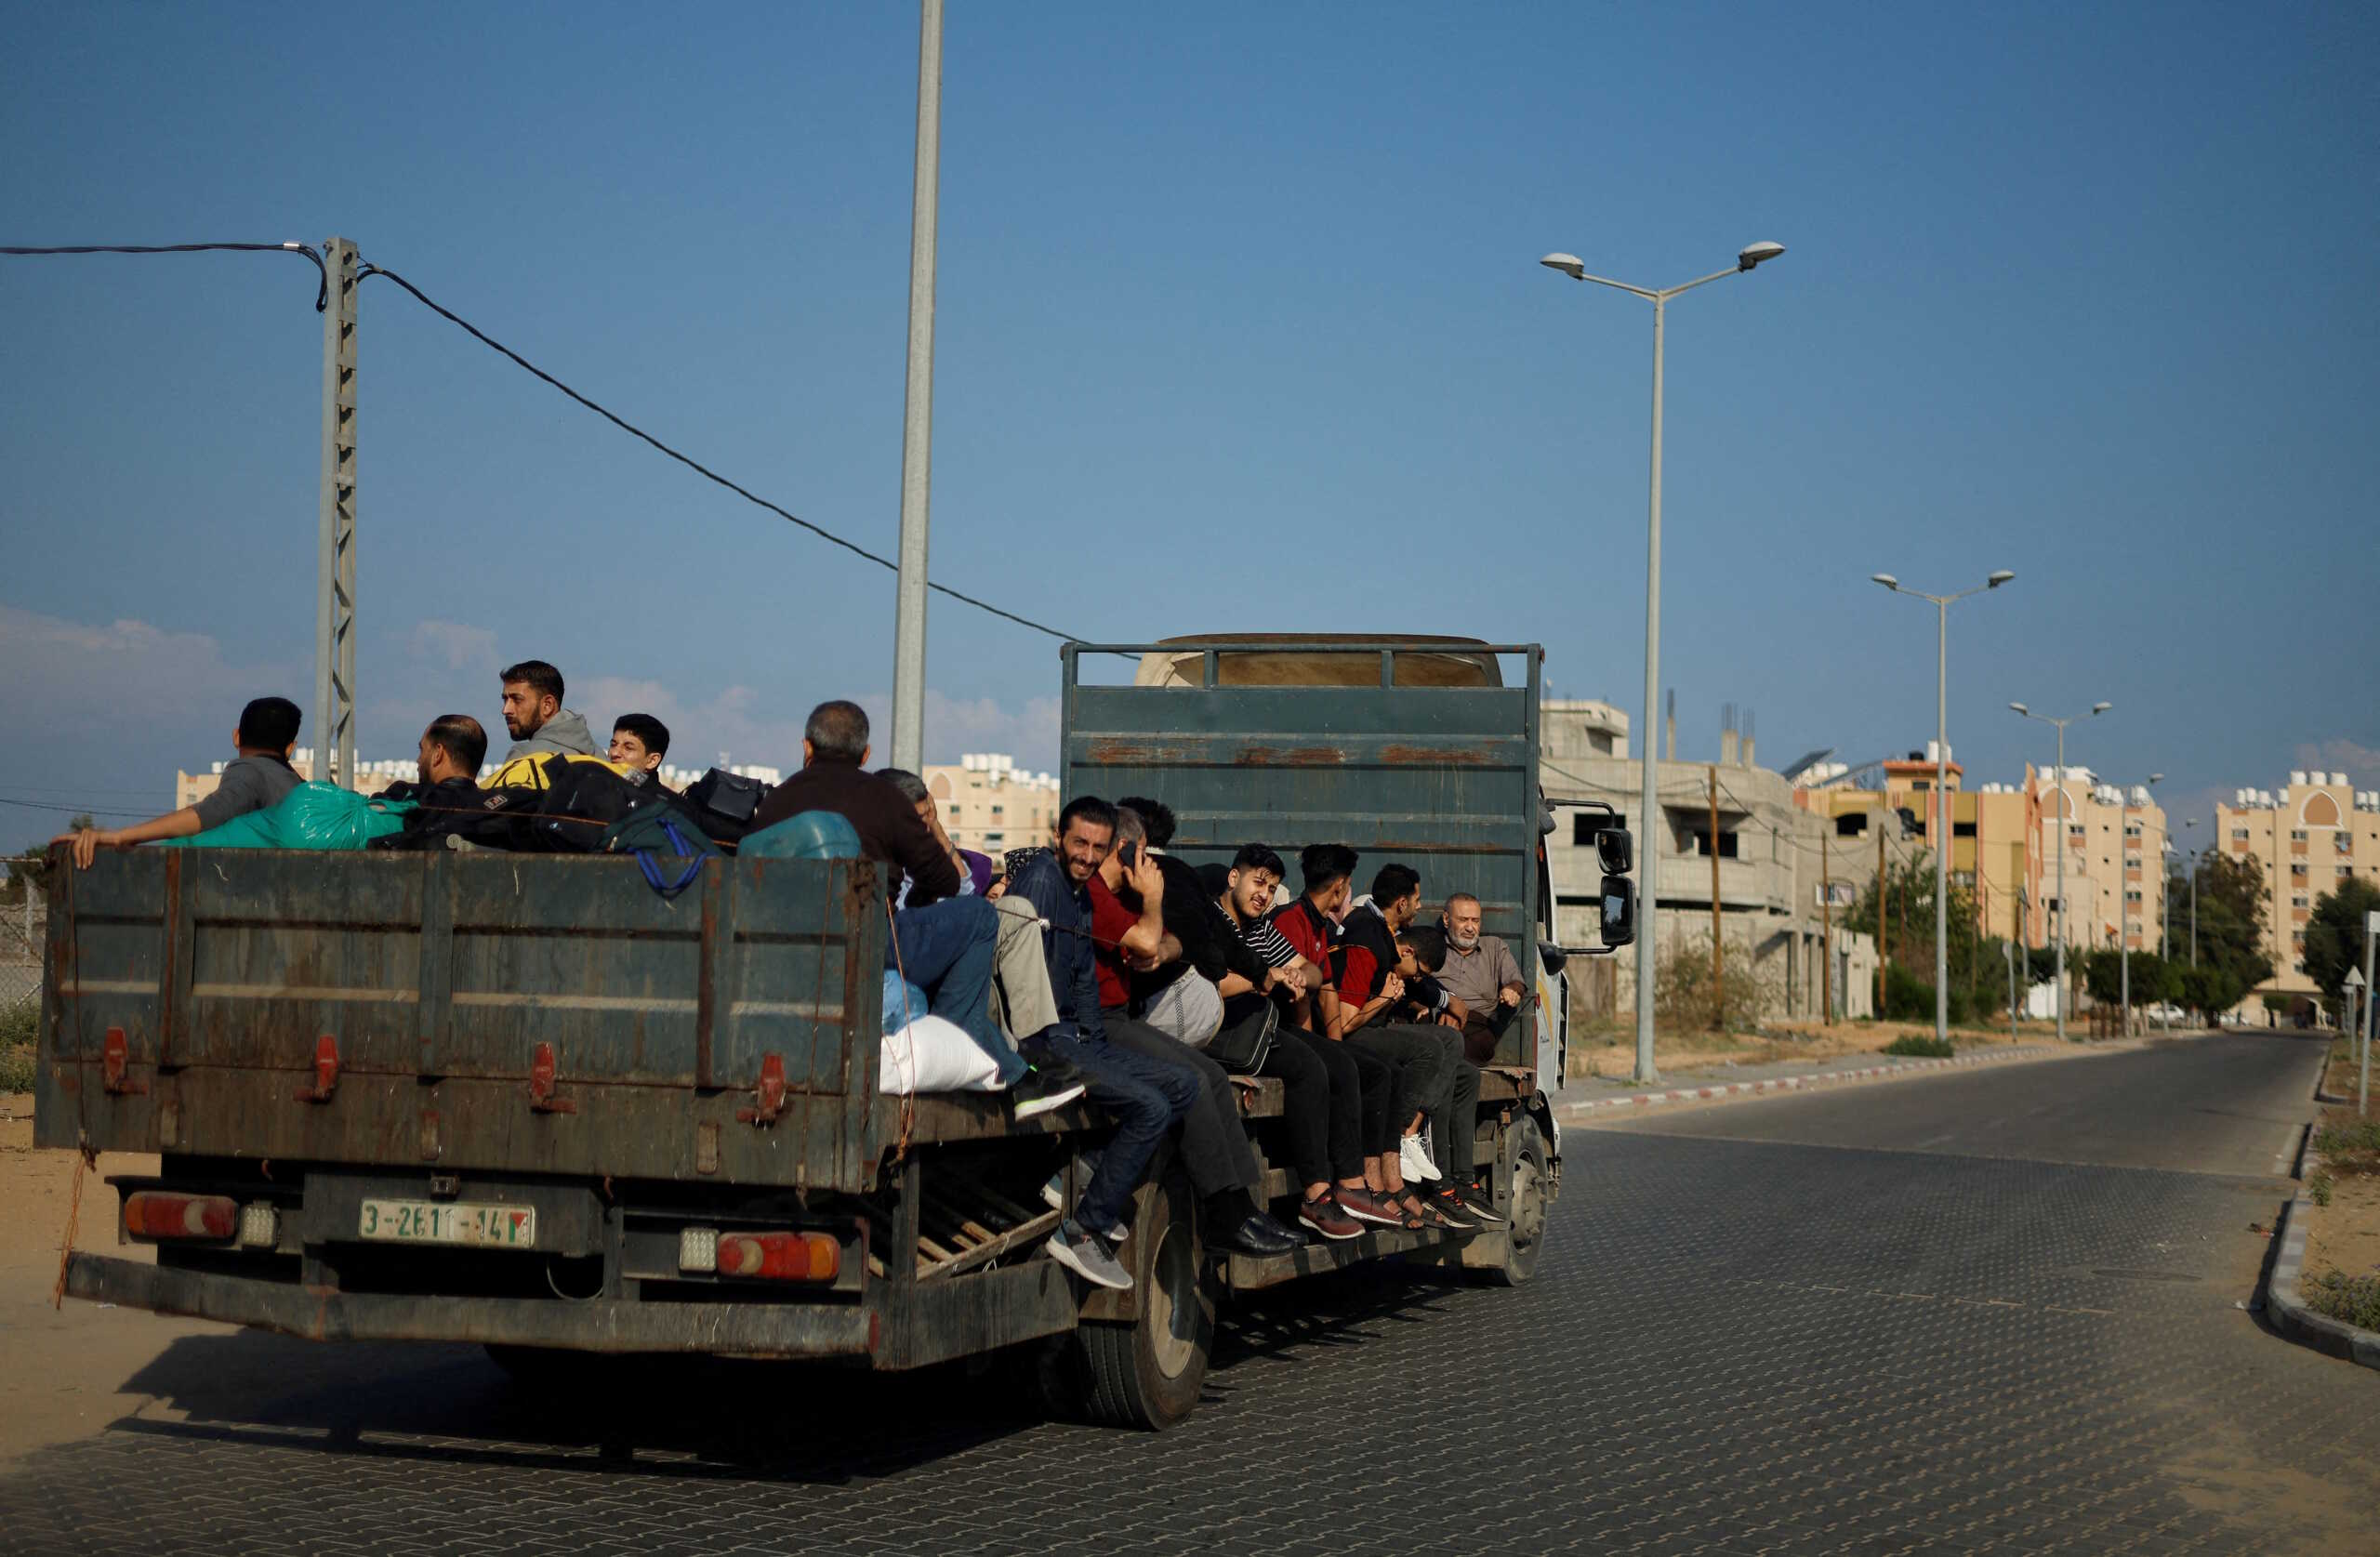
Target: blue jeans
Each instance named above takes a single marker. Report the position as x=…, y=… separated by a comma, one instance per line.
x=1146, y=1099
x=947, y=948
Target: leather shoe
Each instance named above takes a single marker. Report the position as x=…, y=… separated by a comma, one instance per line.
x=1256, y=1233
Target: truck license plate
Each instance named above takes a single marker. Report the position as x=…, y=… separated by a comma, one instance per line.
x=435, y=1222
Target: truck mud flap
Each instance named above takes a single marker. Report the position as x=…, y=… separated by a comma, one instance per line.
x=735, y=1329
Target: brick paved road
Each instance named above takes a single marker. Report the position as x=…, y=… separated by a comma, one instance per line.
x=1731, y=1346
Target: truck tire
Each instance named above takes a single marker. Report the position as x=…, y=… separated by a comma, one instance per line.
x=1147, y=1372
x=1525, y=1234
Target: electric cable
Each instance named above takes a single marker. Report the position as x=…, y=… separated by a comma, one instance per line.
x=700, y=469
x=322, y=297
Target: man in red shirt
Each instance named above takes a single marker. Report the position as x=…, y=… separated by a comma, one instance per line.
x=1420, y=1063
x=1128, y=927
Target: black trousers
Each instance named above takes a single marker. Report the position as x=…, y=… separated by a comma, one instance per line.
x=1322, y=1104
x=1215, y=1151
x=1424, y=1069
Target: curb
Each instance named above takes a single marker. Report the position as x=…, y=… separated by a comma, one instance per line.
x=2288, y=1311
x=1822, y=1079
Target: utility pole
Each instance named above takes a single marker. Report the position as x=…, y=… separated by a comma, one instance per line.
x=2364, y=1082
x=917, y=423
x=1884, y=949
x=335, y=515
x=1826, y=898
x=1718, y=961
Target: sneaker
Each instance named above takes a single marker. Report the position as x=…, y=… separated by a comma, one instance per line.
x=1037, y=1091
x=1084, y=1255
x=1480, y=1207
x=1413, y=1160
x=1452, y=1211
x=1327, y=1220
x=1043, y=1057
x=1364, y=1206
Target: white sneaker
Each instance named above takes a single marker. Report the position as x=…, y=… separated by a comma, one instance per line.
x=1413, y=1158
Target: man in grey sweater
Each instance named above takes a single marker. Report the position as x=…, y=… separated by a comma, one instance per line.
x=534, y=716
x=255, y=780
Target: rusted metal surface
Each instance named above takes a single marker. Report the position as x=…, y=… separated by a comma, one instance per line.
x=1441, y=777
x=547, y=1013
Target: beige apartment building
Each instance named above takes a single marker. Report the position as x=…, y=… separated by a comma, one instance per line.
x=2308, y=837
x=2115, y=851
x=991, y=805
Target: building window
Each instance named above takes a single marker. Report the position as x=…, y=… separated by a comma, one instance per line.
x=2297, y=900
x=2298, y=870
x=2239, y=835
x=2132, y=897
x=1962, y=829
x=2132, y=829
x=2296, y=835
x=1701, y=839
x=1851, y=825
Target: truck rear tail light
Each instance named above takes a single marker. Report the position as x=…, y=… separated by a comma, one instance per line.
x=155, y=1214
x=259, y=1226
x=779, y=1255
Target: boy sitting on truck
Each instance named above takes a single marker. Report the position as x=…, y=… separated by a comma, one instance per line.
x=1310, y=924
x=256, y=779
x=638, y=743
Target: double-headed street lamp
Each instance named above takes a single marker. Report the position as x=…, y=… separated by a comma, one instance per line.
x=2097, y=709
x=1649, y=852
x=1941, y=777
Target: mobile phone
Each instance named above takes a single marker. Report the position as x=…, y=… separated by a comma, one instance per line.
x=1130, y=854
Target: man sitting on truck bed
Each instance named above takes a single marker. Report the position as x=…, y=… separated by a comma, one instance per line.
x=1311, y=926
x=1374, y=958
x=534, y=716
x=1216, y=1157
x=639, y=743
x=256, y=779
x=1145, y=1099
x=1479, y=972
x=942, y=942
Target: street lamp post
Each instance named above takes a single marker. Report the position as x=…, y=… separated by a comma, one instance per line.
x=2097, y=709
x=2192, y=821
x=2124, y=906
x=1941, y=807
x=1649, y=852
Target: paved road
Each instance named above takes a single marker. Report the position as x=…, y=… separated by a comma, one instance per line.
x=1824, y=1342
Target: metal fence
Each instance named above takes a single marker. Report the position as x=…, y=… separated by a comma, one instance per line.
x=24, y=922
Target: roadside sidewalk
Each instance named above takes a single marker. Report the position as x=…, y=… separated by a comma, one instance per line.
x=1584, y=1098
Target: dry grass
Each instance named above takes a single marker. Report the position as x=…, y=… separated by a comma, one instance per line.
x=2343, y=1234
x=1608, y=1048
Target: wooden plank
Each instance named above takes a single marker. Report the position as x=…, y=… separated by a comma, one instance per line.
x=1024, y=1232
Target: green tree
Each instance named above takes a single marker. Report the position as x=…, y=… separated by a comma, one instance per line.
x=1909, y=926
x=2231, y=959
x=2334, y=935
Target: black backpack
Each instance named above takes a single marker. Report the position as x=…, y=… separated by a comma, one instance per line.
x=725, y=802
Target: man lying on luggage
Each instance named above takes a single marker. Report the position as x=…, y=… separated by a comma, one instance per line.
x=533, y=715
x=256, y=779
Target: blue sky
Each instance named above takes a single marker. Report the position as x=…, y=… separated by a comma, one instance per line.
x=1240, y=327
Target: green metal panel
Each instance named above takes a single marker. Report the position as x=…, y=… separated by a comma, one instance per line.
x=438, y=977
x=1442, y=779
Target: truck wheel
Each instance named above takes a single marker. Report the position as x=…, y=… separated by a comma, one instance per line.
x=1148, y=1372
x=1526, y=1232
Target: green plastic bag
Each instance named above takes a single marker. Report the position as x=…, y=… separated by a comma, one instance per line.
x=311, y=816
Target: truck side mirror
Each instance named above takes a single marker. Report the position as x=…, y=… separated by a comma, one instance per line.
x=1619, y=910
x=1617, y=851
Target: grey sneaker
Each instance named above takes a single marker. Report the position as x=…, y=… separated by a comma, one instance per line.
x=1083, y=1254
x=1054, y=1194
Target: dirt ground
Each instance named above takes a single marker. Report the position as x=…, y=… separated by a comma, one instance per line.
x=1613, y=1053
x=62, y=1370
x=2345, y=1235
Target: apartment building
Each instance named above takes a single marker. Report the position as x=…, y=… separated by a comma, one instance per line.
x=2115, y=849
x=2309, y=836
x=990, y=805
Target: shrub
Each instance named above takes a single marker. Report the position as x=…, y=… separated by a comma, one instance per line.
x=2354, y=1299
x=1687, y=1000
x=19, y=1023
x=2318, y=1187
x=15, y=1070
x=1921, y=1045
x=2338, y=1140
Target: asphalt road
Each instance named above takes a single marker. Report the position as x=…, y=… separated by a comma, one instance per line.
x=1990, y=1311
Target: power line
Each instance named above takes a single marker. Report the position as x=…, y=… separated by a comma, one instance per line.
x=626, y=425
x=322, y=297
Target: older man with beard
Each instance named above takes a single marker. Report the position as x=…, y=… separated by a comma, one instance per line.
x=1481, y=972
